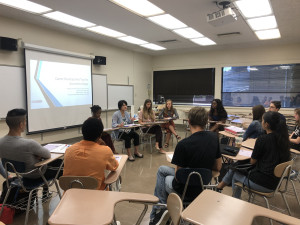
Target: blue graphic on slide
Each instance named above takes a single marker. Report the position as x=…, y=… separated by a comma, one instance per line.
x=50, y=95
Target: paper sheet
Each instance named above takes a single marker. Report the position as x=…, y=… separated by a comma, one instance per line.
x=245, y=153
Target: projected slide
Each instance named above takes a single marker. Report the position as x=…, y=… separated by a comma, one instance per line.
x=56, y=84
x=58, y=89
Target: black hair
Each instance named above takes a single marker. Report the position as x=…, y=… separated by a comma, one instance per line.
x=120, y=104
x=258, y=111
x=14, y=117
x=95, y=108
x=277, y=104
x=279, y=128
x=220, y=109
x=92, y=129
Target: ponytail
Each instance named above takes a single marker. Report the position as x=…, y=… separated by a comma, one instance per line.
x=279, y=128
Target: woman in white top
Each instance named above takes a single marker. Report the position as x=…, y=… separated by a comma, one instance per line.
x=147, y=115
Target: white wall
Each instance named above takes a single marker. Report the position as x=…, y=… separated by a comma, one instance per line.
x=122, y=65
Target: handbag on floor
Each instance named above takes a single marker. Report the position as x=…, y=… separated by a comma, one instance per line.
x=7, y=216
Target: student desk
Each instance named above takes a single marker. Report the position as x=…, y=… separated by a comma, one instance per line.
x=54, y=156
x=243, y=154
x=211, y=208
x=249, y=143
x=94, y=207
x=114, y=176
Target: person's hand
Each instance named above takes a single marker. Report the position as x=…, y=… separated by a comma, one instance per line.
x=132, y=119
x=10, y=176
x=121, y=124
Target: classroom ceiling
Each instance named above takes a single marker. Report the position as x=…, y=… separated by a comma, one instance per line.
x=191, y=12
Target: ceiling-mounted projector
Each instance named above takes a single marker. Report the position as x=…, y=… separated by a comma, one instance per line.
x=221, y=17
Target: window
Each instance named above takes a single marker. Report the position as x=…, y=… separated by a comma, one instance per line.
x=254, y=85
x=191, y=86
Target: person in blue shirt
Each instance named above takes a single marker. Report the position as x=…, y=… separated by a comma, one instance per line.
x=255, y=128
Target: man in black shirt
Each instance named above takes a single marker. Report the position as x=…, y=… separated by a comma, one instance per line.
x=275, y=107
x=200, y=150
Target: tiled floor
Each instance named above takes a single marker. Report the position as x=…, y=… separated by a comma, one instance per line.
x=140, y=176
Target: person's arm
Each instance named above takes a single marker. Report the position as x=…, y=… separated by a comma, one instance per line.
x=39, y=151
x=253, y=161
x=249, y=131
x=112, y=163
x=295, y=141
x=176, y=114
x=141, y=117
x=161, y=114
x=218, y=164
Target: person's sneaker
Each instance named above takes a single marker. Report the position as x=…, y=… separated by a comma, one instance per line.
x=294, y=174
x=219, y=190
x=131, y=158
x=159, y=216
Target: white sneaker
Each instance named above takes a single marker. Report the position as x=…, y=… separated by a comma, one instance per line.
x=131, y=158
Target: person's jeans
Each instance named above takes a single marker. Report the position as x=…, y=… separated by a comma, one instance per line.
x=234, y=177
x=163, y=187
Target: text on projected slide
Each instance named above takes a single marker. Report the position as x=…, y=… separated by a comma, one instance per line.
x=56, y=84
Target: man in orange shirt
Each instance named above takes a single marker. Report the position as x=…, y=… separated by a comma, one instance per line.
x=87, y=157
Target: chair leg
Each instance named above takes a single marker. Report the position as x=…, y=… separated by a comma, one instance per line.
x=57, y=188
x=142, y=215
x=294, y=188
x=286, y=203
x=28, y=207
x=268, y=206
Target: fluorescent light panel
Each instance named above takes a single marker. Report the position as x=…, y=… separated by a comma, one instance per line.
x=106, y=31
x=133, y=40
x=153, y=47
x=203, y=41
x=141, y=7
x=262, y=23
x=268, y=34
x=167, y=21
x=26, y=6
x=188, y=33
x=254, y=8
x=68, y=19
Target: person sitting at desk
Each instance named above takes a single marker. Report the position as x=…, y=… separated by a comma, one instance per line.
x=106, y=138
x=14, y=147
x=87, y=157
x=275, y=107
x=217, y=113
x=200, y=150
x=295, y=136
x=168, y=112
x=121, y=118
x=255, y=129
x=147, y=115
x=270, y=150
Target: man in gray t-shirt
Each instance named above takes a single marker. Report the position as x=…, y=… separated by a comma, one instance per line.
x=14, y=147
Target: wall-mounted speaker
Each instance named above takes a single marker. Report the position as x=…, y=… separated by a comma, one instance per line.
x=99, y=60
x=9, y=44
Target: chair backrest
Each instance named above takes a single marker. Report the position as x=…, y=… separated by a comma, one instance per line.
x=193, y=180
x=175, y=207
x=13, y=166
x=279, y=169
x=83, y=182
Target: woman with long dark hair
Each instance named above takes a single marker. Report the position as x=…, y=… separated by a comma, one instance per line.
x=147, y=115
x=217, y=113
x=169, y=112
x=105, y=137
x=270, y=150
x=255, y=128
